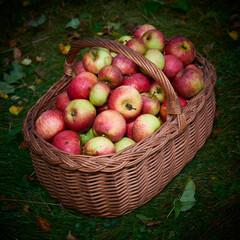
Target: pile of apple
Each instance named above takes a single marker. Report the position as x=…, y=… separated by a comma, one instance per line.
x=111, y=103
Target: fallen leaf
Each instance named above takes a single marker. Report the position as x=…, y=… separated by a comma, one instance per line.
x=22, y=29
x=39, y=59
x=29, y=178
x=64, y=49
x=15, y=110
x=26, y=61
x=23, y=145
x=74, y=23
x=233, y=35
x=40, y=21
x=25, y=208
x=17, y=53
x=70, y=236
x=3, y=95
x=12, y=43
x=44, y=224
x=40, y=73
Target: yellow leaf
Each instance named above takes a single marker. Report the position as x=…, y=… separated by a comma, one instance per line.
x=2, y=95
x=39, y=59
x=64, y=49
x=15, y=110
x=44, y=224
x=233, y=35
x=38, y=81
x=17, y=53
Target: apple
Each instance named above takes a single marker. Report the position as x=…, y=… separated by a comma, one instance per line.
x=193, y=66
x=96, y=58
x=142, y=29
x=129, y=129
x=127, y=66
x=68, y=141
x=156, y=57
x=99, y=94
x=110, y=124
x=188, y=83
x=154, y=39
x=182, y=48
x=137, y=45
x=80, y=86
x=79, y=115
x=126, y=100
x=87, y=135
x=150, y=105
x=138, y=81
x=99, y=146
x=78, y=67
x=163, y=109
x=102, y=108
x=62, y=100
x=50, y=123
x=172, y=66
x=123, y=143
x=111, y=75
x=124, y=39
x=144, y=125
x=156, y=92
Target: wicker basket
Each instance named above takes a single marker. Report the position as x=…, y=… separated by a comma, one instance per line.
x=115, y=184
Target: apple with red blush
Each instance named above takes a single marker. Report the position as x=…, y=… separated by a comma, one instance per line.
x=150, y=105
x=156, y=92
x=138, y=81
x=128, y=132
x=78, y=67
x=99, y=146
x=188, y=83
x=195, y=67
x=80, y=86
x=68, y=141
x=154, y=39
x=137, y=45
x=96, y=58
x=124, y=39
x=182, y=48
x=49, y=123
x=127, y=101
x=62, y=100
x=142, y=29
x=79, y=115
x=123, y=143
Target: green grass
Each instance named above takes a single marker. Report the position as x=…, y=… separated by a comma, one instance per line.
x=215, y=168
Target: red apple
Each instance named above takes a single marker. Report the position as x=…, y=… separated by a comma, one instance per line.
x=68, y=141
x=172, y=66
x=182, y=48
x=138, y=81
x=126, y=100
x=79, y=115
x=137, y=45
x=78, y=67
x=99, y=94
x=129, y=129
x=111, y=75
x=127, y=66
x=80, y=86
x=99, y=146
x=150, y=105
x=156, y=92
x=102, y=108
x=142, y=29
x=96, y=58
x=163, y=109
x=193, y=66
x=62, y=100
x=123, y=143
x=144, y=125
x=110, y=124
x=188, y=83
x=154, y=39
x=49, y=124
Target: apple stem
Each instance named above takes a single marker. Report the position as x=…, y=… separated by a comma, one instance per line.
x=129, y=106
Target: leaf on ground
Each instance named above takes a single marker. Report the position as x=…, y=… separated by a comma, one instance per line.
x=15, y=110
x=233, y=35
x=40, y=21
x=70, y=236
x=44, y=224
x=182, y=5
x=187, y=199
x=26, y=61
x=29, y=178
x=142, y=217
x=39, y=59
x=6, y=88
x=17, y=54
x=3, y=95
x=64, y=49
x=40, y=73
x=74, y=23
x=25, y=209
x=23, y=145
x=12, y=43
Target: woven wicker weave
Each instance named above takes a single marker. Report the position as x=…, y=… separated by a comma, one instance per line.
x=115, y=184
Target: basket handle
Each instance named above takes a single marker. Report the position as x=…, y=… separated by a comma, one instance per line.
x=173, y=104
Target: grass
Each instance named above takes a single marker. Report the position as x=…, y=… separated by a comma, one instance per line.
x=215, y=168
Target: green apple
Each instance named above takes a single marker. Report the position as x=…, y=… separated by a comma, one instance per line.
x=124, y=39
x=123, y=143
